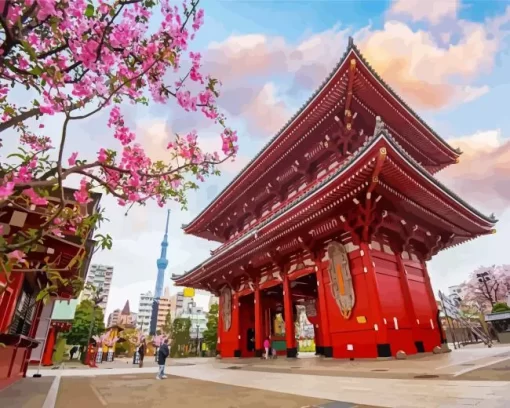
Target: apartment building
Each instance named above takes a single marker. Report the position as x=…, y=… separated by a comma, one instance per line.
x=100, y=276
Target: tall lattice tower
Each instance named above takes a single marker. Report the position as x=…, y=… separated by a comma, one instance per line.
x=162, y=263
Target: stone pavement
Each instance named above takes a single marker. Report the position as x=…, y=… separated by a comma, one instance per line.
x=324, y=380
x=129, y=391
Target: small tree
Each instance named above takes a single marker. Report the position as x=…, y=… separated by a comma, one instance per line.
x=181, y=335
x=81, y=324
x=500, y=307
x=167, y=326
x=211, y=332
x=485, y=287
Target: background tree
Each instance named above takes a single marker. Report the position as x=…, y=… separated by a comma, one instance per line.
x=181, y=335
x=167, y=326
x=485, y=287
x=78, y=335
x=500, y=307
x=73, y=59
x=211, y=332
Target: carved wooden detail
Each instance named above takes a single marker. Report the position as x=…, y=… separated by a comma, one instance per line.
x=340, y=276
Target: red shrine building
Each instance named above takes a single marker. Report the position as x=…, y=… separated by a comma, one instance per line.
x=26, y=330
x=340, y=213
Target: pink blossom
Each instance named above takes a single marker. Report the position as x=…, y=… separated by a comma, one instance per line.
x=35, y=198
x=102, y=156
x=17, y=255
x=6, y=190
x=72, y=159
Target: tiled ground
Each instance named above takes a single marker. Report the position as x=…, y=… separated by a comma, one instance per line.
x=130, y=391
x=27, y=393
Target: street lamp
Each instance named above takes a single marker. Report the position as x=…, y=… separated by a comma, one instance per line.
x=484, y=277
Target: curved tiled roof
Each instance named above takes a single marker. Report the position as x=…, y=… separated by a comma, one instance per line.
x=351, y=46
x=344, y=165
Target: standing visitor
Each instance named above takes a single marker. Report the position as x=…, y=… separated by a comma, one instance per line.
x=73, y=352
x=162, y=355
x=141, y=352
x=266, y=347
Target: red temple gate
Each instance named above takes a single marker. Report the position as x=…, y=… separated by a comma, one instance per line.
x=341, y=207
x=20, y=311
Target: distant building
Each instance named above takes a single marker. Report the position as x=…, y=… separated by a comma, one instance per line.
x=113, y=318
x=180, y=304
x=164, y=307
x=213, y=300
x=144, y=312
x=100, y=276
x=126, y=317
x=198, y=318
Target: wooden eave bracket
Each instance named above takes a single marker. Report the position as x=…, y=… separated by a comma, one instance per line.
x=364, y=221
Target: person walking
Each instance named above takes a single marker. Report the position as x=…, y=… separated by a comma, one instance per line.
x=163, y=353
x=266, y=347
x=73, y=352
x=141, y=352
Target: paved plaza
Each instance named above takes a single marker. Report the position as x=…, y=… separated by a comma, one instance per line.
x=472, y=376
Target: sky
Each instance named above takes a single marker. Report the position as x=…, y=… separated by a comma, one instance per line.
x=448, y=59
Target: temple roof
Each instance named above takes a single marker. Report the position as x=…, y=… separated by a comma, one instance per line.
x=474, y=223
x=448, y=154
x=126, y=310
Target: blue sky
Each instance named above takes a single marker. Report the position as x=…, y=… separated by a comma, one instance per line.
x=258, y=99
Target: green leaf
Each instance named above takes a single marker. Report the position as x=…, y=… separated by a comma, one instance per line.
x=89, y=11
x=37, y=70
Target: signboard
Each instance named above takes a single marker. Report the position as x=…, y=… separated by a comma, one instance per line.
x=188, y=292
x=497, y=316
x=450, y=307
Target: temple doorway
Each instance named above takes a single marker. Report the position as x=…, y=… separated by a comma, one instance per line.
x=304, y=294
x=247, y=325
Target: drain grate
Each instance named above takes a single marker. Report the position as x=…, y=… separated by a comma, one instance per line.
x=468, y=365
x=380, y=370
x=426, y=376
x=233, y=368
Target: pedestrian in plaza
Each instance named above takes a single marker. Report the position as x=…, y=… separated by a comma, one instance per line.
x=73, y=352
x=163, y=353
x=141, y=352
x=266, y=347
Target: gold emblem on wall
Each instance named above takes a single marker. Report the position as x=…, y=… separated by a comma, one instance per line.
x=340, y=276
x=226, y=307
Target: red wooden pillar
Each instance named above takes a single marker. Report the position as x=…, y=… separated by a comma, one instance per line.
x=220, y=325
x=290, y=337
x=381, y=331
x=435, y=338
x=408, y=300
x=237, y=324
x=259, y=328
x=47, y=357
x=326, y=348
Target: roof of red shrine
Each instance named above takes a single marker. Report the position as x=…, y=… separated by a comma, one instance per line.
x=416, y=190
x=369, y=93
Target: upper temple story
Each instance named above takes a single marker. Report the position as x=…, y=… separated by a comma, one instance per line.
x=351, y=106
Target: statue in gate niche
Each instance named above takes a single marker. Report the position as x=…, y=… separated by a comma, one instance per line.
x=342, y=288
x=226, y=307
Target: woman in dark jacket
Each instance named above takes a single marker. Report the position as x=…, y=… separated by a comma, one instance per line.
x=141, y=352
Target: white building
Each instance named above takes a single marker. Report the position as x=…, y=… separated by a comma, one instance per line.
x=213, y=300
x=180, y=304
x=198, y=319
x=455, y=292
x=143, y=320
x=100, y=276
